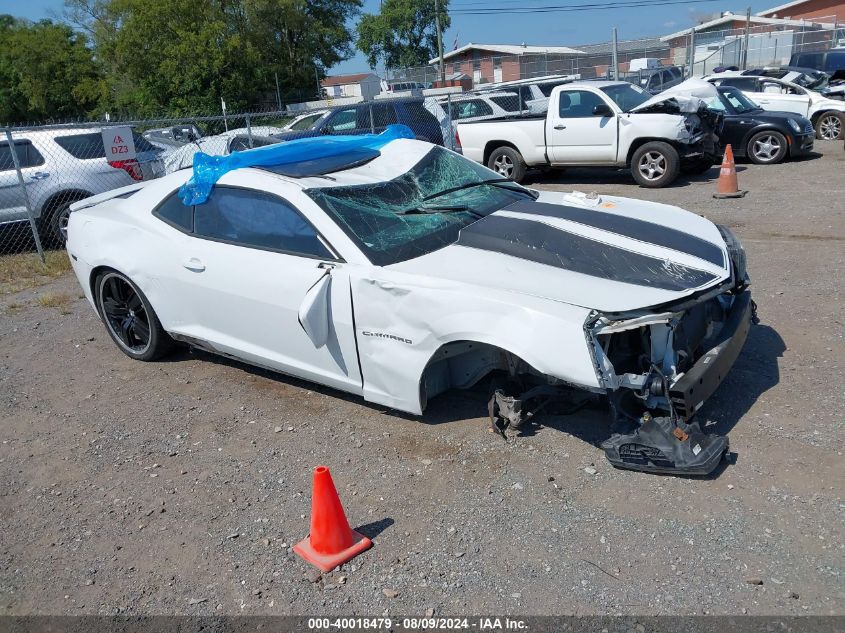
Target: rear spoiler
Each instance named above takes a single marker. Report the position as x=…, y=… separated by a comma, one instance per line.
x=108, y=195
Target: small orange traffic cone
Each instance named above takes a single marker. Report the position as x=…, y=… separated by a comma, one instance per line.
x=331, y=541
x=727, y=185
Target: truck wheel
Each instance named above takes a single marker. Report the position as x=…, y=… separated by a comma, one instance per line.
x=655, y=164
x=766, y=148
x=507, y=162
x=830, y=126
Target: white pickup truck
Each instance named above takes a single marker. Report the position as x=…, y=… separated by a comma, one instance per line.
x=602, y=124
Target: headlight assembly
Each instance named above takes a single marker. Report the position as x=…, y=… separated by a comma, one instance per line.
x=795, y=125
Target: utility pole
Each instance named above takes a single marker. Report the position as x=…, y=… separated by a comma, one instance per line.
x=278, y=94
x=439, y=41
x=745, y=43
x=692, y=54
x=615, y=56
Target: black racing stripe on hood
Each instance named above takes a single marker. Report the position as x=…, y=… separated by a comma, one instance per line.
x=545, y=244
x=627, y=226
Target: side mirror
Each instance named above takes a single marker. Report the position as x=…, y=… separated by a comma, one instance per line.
x=325, y=130
x=602, y=110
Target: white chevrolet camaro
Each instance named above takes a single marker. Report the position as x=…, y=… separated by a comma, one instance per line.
x=400, y=272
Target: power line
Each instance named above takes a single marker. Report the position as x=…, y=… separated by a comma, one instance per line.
x=570, y=8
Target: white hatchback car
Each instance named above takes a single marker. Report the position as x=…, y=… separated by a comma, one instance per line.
x=397, y=273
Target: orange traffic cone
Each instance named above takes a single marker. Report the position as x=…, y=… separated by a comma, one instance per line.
x=331, y=542
x=727, y=186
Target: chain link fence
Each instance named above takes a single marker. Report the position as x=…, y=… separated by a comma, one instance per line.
x=45, y=169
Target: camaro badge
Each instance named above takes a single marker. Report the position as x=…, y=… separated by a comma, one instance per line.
x=389, y=336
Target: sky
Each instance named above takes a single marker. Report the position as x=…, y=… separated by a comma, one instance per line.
x=549, y=29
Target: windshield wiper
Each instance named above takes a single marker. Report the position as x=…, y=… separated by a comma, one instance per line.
x=495, y=182
x=450, y=208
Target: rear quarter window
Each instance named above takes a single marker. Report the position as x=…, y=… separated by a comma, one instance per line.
x=28, y=155
x=90, y=145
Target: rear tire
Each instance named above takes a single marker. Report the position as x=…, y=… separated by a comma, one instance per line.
x=129, y=318
x=655, y=164
x=507, y=162
x=830, y=126
x=766, y=148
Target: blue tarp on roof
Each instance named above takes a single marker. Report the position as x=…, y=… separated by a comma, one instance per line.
x=209, y=169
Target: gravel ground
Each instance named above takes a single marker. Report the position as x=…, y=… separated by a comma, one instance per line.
x=180, y=486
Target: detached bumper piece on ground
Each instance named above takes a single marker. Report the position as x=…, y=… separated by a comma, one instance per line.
x=660, y=446
x=670, y=444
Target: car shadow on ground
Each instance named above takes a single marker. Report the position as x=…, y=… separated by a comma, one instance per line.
x=754, y=373
x=589, y=419
x=596, y=176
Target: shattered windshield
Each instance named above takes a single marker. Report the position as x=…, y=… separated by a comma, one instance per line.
x=626, y=96
x=407, y=217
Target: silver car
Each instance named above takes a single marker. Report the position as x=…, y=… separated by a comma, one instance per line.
x=61, y=166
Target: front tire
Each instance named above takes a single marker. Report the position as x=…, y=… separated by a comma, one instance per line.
x=766, y=148
x=129, y=318
x=655, y=164
x=507, y=162
x=830, y=126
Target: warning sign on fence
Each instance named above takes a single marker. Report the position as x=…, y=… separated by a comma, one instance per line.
x=118, y=143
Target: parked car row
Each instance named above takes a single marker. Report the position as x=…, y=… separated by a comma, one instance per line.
x=781, y=95
x=606, y=123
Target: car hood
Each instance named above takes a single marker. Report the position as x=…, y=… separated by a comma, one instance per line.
x=689, y=95
x=604, y=253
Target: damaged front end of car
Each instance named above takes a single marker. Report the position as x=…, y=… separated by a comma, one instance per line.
x=660, y=365
x=699, y=127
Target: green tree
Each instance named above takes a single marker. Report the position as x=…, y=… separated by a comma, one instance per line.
x=179, y=57
x=47, y=71
x=402, y=34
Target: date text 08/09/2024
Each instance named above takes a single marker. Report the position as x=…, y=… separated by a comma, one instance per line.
x=413, y=624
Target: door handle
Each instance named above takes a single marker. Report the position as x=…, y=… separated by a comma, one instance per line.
x=193, y=263
x=39, y=175
x=560, y=126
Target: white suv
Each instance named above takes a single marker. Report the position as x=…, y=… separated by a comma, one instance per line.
x=61, y=166
x=471, y=107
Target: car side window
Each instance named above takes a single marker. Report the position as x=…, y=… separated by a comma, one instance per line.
x=508, y=103
x=384, y=114
x=83, y=146
x=343, y=121
x=175, y=213
x=469, y=109
x=746, y=84
x=257, y=219
x=578, y=104
x=28, y=155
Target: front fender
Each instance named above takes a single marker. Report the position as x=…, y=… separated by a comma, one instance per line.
x=402, y=323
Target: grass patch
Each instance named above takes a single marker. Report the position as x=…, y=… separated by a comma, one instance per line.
x=55, y=300
x=25, y=270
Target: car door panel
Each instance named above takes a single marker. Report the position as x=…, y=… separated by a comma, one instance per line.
x=246, y=267
x=34, y=172
x=576, y=136
x=772, y=95
x=246, y=303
